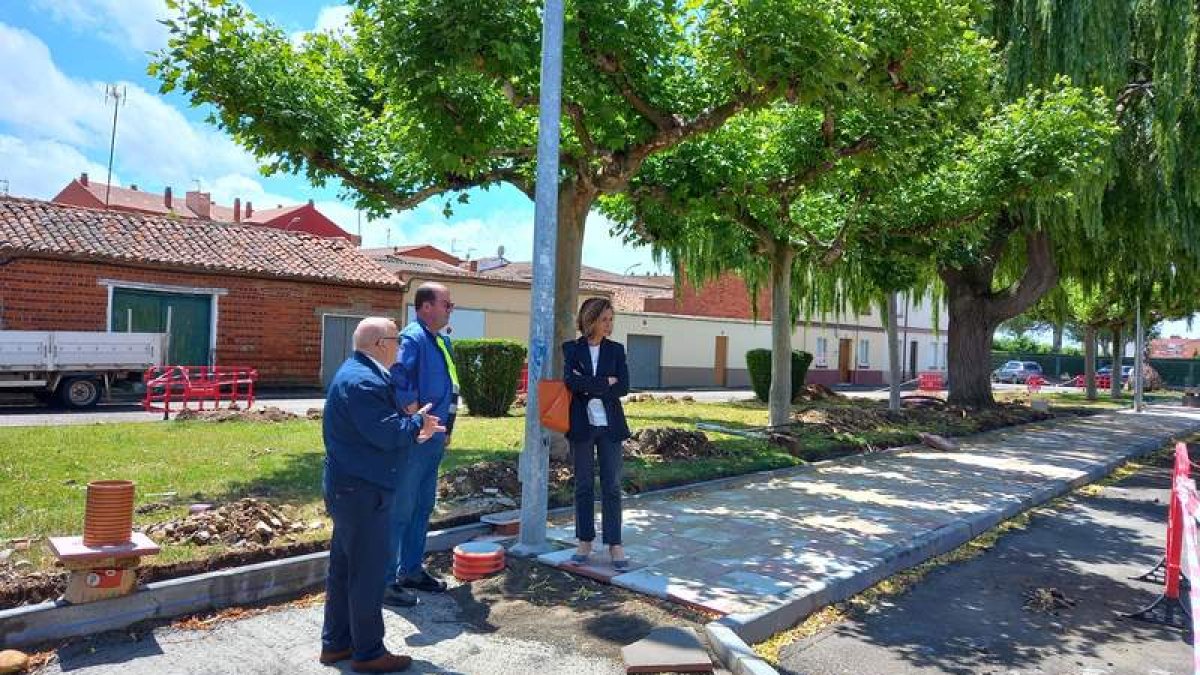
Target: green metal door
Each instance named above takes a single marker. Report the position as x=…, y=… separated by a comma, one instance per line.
x=190, y=318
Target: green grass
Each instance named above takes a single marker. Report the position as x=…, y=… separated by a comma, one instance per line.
x=44, y=470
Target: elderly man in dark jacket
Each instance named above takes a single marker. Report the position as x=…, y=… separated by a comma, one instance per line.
x=366, y=439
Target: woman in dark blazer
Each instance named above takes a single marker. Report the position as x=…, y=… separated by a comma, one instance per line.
x=595, y=371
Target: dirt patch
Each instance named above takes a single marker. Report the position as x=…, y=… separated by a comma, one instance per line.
x=670, y=443
x=564, y=610
x=233, y=414
x=246, y=523
x=816, y=392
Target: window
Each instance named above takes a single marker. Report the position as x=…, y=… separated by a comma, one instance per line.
x=935, y=354
x=822, y=350
x=945, y=355
x=864, y=353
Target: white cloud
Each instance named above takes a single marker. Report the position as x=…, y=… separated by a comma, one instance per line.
x=331, y=19
x=481, y=236
x=131, y=25
x=41, y=168
x=156, y=144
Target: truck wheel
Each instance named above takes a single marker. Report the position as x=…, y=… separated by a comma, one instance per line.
x=79, y=392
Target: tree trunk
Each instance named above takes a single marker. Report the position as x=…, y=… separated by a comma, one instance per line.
x=1118, y=350
x=969, y=358
x=894, y=366
x=574, y=203
x=976, y=310
x=1089, y=361
x=1058, y=338
x=779, y=402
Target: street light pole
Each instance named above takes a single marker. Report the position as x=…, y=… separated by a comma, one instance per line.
x=534, y=468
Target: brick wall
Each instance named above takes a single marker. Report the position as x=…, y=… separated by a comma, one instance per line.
x=726, y=297
x=271, y=325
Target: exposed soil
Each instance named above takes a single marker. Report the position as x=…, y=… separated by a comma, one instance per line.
x=566, y=610
x=246, y=523
x=234, y=414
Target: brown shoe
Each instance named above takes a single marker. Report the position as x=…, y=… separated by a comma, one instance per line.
x=388, y=663
x=329, y=658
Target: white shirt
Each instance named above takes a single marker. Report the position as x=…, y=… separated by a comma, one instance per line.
x=595, y=408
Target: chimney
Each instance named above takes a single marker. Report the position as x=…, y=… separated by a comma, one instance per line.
x=199, y=203
x=237, y=209
x=249, y=210
x=166, y=197
x=473, y=265
x=83, y=179
x=310, y=202
x=133, y=187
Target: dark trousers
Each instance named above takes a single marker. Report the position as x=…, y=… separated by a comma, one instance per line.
x=413, y=504
x=585, y=451
x=358, y=558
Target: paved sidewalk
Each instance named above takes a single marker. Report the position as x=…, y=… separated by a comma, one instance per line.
x=768, y=552
x=286, y=642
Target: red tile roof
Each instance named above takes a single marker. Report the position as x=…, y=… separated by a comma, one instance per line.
x=38, y=228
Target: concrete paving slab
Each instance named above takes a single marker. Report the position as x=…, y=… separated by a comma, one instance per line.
x=672, y=649
x=767, y=552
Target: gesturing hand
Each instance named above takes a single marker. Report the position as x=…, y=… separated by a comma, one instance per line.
x=431, y=425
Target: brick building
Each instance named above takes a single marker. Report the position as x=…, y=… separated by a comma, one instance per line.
x=199, y=205
x=227, y=293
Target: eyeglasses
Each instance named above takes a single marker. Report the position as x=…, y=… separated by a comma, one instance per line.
x=385, y=339
x=448, y=304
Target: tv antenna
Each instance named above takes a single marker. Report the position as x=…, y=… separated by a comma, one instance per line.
x=118, y=96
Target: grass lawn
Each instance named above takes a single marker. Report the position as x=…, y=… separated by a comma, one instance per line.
x=44, y=470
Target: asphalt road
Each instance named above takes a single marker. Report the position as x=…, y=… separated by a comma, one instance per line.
x=972, y=617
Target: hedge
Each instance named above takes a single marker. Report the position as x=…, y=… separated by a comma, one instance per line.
x=758, y=362
x=487, y=374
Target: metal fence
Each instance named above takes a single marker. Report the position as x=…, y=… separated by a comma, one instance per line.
x=1175, y=372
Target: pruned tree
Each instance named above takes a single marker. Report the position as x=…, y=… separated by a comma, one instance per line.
x=1142, y=207
x=424, y=99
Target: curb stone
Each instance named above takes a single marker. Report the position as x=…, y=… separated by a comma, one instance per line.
x=735, y=654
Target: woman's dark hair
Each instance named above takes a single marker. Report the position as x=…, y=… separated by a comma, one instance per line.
x=589, y=314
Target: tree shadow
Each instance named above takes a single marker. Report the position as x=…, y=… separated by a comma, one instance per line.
x=977, y=616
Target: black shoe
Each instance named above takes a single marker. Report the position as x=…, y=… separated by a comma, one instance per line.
x=395, y=596
x=424, y=581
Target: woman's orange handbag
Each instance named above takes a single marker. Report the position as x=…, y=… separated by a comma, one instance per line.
x=554, y=405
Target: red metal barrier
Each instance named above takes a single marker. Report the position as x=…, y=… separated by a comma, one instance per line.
x=523, y=380
x=183, y=386
x=930, y=382
x=1034, y=383
x=1168, y=609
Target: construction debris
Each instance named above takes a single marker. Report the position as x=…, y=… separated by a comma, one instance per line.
x=247, y=522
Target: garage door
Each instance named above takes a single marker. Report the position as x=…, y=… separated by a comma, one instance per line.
x=189, y=318
x=337, y=343
x=644, y=356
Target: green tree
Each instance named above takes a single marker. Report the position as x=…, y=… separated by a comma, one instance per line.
x=838, y=207
x=426, y=99
x=1139, y=214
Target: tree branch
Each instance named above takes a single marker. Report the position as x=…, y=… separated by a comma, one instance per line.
x=787, y=185
x=575, y=111
x=611, y=66
x=1041, y=273
x=400, y=200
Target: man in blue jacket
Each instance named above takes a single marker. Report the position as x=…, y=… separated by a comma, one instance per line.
x=366, y=441
x=424, y=374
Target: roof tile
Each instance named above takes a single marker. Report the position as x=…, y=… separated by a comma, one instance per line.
x=36, y=227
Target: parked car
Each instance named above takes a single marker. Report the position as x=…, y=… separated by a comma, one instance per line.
x=1016, y=372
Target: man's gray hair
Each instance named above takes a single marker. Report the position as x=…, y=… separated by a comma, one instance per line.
x=371, y=329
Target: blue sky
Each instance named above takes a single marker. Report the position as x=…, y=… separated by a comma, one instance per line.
x=56, y=57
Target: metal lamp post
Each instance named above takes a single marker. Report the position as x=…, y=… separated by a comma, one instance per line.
x=534, y=466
